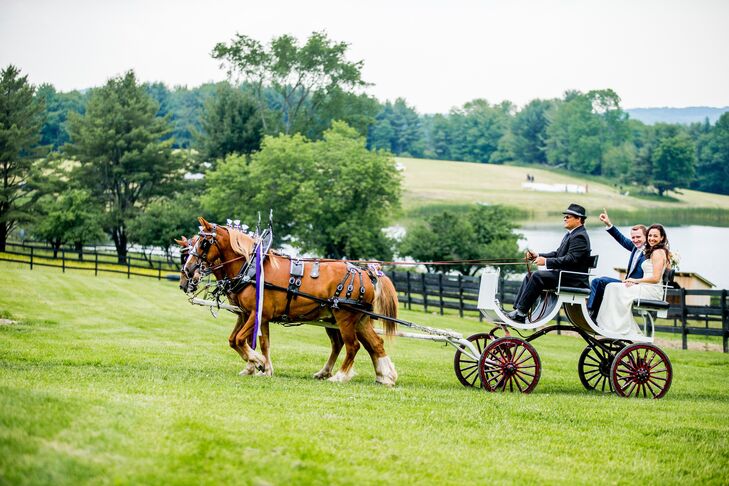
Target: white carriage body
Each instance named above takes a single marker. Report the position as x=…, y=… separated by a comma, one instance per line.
x=575, y=307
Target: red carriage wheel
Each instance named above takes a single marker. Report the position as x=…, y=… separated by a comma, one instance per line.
x=467, y=367
x=595, y=364
x=641, y=370
x=509, y=364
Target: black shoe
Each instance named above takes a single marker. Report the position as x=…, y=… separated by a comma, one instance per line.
x=593, y=315
x=516, y=317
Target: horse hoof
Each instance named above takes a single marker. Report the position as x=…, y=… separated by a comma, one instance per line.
x=322, y=375
x=342, y=377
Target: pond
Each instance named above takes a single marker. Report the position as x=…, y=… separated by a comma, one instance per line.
x=700, y=248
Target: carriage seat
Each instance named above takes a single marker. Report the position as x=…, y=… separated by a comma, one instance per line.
x=575, y=290
x=651, y=304
x=592, y=264
x=658, y=304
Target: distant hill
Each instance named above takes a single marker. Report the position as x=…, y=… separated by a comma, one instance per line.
x=691, y=114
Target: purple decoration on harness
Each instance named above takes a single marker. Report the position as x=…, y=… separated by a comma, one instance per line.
x=259, y=293
x=375, y=268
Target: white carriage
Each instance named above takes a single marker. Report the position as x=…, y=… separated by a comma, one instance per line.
x=630, y=365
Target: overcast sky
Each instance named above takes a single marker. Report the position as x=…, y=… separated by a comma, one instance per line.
x=436, y=54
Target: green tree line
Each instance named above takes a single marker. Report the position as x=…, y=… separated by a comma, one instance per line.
x=292, y=130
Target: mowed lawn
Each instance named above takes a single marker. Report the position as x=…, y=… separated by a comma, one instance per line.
x=444, y=182
x=108, y=380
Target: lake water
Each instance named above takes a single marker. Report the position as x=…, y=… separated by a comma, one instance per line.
x=700, y=248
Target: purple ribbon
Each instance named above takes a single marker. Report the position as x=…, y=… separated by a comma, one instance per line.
x=259, y=293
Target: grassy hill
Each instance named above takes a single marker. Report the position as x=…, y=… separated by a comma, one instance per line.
x=105, y=380
x=440, y=183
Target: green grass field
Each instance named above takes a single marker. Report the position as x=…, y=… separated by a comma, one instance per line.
x=444, y=183
x=105, y=380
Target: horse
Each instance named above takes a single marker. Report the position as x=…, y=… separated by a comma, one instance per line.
x=188, y=246
x=314, y=299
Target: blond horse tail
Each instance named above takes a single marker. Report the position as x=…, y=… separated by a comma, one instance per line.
x=386, y=303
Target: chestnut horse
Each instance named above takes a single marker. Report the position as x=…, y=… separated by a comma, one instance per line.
x=233, y=248
x=188, y=246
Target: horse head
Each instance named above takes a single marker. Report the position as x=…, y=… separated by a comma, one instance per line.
x=185, y=247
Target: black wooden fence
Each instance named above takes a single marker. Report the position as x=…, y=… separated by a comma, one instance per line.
x=39, y=255
x=439, y=293
x=427, y=291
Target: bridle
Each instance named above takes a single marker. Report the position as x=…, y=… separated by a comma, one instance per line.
x=200, y=251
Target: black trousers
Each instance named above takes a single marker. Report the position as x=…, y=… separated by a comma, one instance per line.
x=532, y=285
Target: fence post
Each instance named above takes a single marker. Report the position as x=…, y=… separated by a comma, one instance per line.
x=724, y=321
x=440, y=291
x=96, y=264
x=31, y=258
x=159, y=270
x=63, y=260
x=410, y=299
x=425, y=292
x=460, y=295
x=129, y=266
x=684, y=317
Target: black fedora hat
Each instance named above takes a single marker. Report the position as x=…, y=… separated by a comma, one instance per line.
x=575, y=210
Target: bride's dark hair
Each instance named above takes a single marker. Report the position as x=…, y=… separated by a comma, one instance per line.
x=663, y=245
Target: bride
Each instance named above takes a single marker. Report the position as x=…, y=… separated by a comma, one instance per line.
x=616, y=313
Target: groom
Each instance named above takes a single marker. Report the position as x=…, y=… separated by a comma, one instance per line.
x=573, y=255
x=634, y=245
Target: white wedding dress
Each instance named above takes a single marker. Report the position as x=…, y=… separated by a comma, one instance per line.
x=616, y=314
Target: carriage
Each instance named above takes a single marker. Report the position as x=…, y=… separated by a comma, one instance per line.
x=628, y=365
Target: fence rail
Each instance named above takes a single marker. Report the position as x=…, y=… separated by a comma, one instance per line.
x=45, y=256
x=433, y=292
x=438, y=292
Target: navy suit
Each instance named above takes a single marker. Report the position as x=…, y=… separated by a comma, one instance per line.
x=633, y=269
x=573, y=254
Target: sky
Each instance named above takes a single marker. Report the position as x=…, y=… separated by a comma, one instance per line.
x=436, y=54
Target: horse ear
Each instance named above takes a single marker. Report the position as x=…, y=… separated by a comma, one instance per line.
x=203, y=223
x=182, y=242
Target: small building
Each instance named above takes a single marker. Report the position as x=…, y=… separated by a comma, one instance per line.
x=688, y=281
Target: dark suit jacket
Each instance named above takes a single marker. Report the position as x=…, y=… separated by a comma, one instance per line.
x=634, y=253
x=573, y=254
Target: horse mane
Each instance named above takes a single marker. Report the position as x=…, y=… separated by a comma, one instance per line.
x=243, y=244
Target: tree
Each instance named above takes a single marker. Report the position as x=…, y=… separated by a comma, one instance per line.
x=125, y=161
x=356, y=110
x=162, y=221
x=673, y=163
x=484, y=232
x=230, y=124
x=294, y=73
x=582, y=127
x=712, y=171
x=529, y=131
x=21, y=117
x=331, y=196
x=477, y=128
x=57, y=107
x=397, y=129
x=71, y=216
